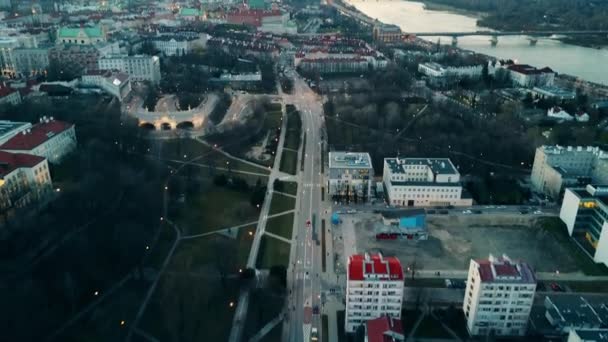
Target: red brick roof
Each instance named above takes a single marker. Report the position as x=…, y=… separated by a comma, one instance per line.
x=380, y=329
x=39, y=134
x=360, y=265
x=12, y=161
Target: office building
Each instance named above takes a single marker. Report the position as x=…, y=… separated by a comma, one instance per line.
x=374, y=288
x=421, y=182
x=499, y=296
x=585, y=212
x=556, y=167
x=49, y=138
x=139, y=67
x=351, y=175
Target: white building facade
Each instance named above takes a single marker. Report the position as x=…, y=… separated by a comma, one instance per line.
x=24, y=179
x=116, y=84
x=499, y=296
x=556, y=167
x=139, y=67
x=50, y=139
x=420, y=182
x=374, y=288
x=350, y=174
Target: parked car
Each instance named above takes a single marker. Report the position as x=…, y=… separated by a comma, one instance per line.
x=430, y=212
x=314, y=334
x=455, y=284
x=556, y=287
x=467, y=212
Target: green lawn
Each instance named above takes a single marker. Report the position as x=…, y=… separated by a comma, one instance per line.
x=559, y=231
x=264, y=306
x=408, y=319
x=281, y=203
x=214, y=208
x=289, y=161
x=429, y=327
x=286, y=187
x=273, y=252
x=294, y=126
x=281, y=225
x=158, y=252
x=195, y=151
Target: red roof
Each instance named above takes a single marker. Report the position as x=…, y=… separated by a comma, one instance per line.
x=360, y=265
x=39, y=134
x=381, y=329
x=528, y=70
x=503, y=269
x=12, y=161
x=5, y=90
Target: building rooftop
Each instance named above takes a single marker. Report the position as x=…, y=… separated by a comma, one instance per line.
x=8, y=128
x=504, y=270
x=557, y=149
x=528, y=69
x=351, y=160
x=37, y=135
x=74, y=32
x=588, y=335
x=384, y=329
x=555, y=91
x=574, y=310
x=374, y=267
x=189, y=12
x=9, y=162
x=437, y=165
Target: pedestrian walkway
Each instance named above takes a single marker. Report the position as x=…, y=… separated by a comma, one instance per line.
x=277, y=237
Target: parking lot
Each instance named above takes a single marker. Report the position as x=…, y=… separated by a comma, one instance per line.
x=455, y=239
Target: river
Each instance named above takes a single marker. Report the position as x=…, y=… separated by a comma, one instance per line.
x=586, y=63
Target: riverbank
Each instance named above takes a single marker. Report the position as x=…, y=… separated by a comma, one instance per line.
x=433, y=6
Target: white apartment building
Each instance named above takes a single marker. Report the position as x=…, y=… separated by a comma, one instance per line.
x=499, y=296
x=374, y=288
x=114, y=83
x=350, y=174
x=523, y=75
x=433, y=69
x=49, y=138
x=138, y=67
x=420, y=182
x=556, y=167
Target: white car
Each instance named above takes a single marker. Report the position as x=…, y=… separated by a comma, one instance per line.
x=467, y=212
x=314, y=334
x=538, y=212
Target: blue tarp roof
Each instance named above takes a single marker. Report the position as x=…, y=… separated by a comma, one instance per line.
x=417, y=221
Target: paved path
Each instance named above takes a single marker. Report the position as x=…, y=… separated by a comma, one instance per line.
x=187, y=237
x=218, y=149
x=240, y=314
x=278, y=237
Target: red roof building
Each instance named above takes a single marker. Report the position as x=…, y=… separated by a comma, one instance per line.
x=50, y=138
x=24, y=178
x=384, y=329
x=374, y=289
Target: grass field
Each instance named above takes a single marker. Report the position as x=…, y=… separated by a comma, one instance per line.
x=286, y=187
x=281, y=225
x=281, y=203
x=273, y=252
x=264, y=305
x=214, y=208
x=289, y=161
x=195, y=151
x=294, y=126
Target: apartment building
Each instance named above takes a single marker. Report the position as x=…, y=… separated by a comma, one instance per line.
x=24, y=179
x=113, y=83
x=374, y=288
x=49, y=138
x=499, y=296
x=351, y=175
x=138, y=67
x=421, y=182
x=585, y=212
x=556, y=167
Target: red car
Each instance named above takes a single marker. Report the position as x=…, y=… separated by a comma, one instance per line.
x=556, y=287
x=308, y=223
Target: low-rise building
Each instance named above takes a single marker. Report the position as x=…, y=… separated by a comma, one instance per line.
x=584, y=211
x=553, y=93
x=190, y=14
x=138, y=67
x=409, y=224
x=24, y=179
x=568, y=312
x=559, y=113
x=374, y=288
x=556, y=167
x=83, y=35
x=523, y=75
x=438, y=74
x=173, y=45
x=114, y=83
x=499, y=296
x=351, y=175
x=49, y=138
x=588, y=335
x=9, y=129
x=422, y=182
x=384, y=329
x=9, y=95
x=387, y=33
x=78, y=58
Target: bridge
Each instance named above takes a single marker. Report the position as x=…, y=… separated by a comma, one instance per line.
x=532, y=34
x=166, y=120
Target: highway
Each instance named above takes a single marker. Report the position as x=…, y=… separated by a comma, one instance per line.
x=305, y=266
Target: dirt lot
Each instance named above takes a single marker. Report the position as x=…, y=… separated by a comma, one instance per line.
x=455, y=239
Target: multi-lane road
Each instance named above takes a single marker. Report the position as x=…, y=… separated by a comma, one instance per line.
x=305, y=264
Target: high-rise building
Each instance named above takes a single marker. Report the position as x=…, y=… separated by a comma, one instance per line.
x=374, y=288
x=499, y=296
